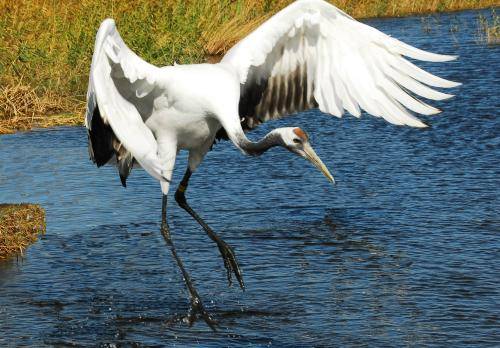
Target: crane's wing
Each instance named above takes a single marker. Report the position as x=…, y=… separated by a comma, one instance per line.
x=119, y=83
x=311, y=54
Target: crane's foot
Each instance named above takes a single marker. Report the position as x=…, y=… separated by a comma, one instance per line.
x=231, y=264
x=197, y=308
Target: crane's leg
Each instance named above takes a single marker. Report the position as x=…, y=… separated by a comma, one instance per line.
x=196, y=304
x=226, y=251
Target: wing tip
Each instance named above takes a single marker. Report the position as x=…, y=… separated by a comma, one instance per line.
x=108, y=22
x=417, y=122
x=448, y=84
x=422, y=125
x=420, y=54
x=455, y=84
x=446, y=57
x=107, y=26
x=123, y=180
x=446, y=96
x=434, y=111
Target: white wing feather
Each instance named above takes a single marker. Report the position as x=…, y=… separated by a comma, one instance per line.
x=112, y=63
x=319, y=56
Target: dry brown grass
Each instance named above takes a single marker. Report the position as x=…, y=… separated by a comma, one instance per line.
x=20, y=225
x=46, y=45
x=22, y=108
x=489, y=29
x=233, y=27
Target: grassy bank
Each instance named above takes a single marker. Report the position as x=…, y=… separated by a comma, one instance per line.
x=20, y=225
x=46, y=46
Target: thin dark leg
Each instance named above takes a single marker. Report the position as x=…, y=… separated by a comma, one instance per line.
x=196, y=304
x=226, y=251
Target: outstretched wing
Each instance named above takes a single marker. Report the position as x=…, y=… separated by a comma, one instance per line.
x=311, y=54
x=117, y=97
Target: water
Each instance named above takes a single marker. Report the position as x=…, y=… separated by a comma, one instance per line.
x=402, y=252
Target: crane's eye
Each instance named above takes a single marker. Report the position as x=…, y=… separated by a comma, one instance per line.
x=297, y=141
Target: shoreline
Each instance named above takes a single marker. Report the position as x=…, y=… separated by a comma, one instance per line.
x=21, y=105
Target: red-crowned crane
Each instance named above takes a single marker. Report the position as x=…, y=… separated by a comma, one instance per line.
x=309, y=55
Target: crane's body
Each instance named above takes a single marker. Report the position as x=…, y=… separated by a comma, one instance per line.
x=188, y=113
x=185, y=116
x=191, y=102
x=309, y=55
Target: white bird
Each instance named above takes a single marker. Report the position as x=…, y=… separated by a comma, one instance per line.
x=308, y=55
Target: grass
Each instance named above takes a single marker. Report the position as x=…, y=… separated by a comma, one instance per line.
x=20, y=225
x=22, y=107
x=489, y=29
x=46, y=45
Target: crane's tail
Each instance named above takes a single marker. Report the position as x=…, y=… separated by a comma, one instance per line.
x=105, y=148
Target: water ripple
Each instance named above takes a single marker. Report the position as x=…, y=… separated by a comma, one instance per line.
x=403, y=251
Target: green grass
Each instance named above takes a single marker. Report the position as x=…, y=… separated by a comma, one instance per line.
x=46, y=45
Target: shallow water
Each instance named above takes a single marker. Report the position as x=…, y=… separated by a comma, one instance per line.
x=403, y=251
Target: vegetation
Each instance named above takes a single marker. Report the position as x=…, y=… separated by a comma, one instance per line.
x=20, y=225
x=489, y=29
x=46, y=46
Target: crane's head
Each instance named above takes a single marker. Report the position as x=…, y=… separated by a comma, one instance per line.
x=297, y=141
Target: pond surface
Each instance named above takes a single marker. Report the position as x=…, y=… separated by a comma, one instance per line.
x=403, y=251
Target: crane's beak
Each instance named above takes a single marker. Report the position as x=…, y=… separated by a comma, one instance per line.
x=310, y=155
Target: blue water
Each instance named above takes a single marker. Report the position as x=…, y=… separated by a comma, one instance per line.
x=403, y=251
